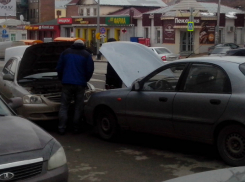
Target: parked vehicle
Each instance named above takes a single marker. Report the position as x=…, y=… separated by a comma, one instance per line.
x=165, y=54
x=7, y=44
x=220, y=51
x=236, y=52
x=28, y=153
x=232, y=174
x=32, y=76
x=231, y=45
x=202, y=100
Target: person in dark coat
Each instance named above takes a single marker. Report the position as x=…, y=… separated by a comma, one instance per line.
x=112, y=78
x=75, y=68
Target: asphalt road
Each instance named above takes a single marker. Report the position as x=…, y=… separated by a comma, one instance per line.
x=135, y=156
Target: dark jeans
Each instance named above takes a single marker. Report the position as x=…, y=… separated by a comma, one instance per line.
x=70, y=93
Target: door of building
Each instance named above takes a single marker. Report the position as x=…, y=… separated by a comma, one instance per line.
x=186, y=42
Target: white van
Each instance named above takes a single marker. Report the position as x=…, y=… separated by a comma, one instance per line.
x=7, y=44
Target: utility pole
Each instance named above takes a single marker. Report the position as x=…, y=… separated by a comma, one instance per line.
x=191, y=33
x=98, y=29
x=217, y=27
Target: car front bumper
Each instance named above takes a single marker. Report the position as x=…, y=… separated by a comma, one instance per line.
x=56, y=175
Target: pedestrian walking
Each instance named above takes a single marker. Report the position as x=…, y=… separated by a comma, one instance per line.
x=75, y=68
x=112, y=78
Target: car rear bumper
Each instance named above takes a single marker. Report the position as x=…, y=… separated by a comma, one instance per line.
x=57, y=175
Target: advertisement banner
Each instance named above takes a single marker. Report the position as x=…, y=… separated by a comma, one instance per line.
x=169, y=32
x=7, y=8
x=207, y=33
x=64, y=20
x=117, y=20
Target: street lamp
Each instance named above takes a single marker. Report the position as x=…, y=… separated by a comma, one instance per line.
x=98, y=29
x=217, y=27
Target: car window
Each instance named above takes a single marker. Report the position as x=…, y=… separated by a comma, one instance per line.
x=162, y=50
x=165, y=80
x=4, y=110
x=205, y=78
x=13, y=68
x=220, y=50
x=7, y=66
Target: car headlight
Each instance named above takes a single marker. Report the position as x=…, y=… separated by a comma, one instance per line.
x=58, y=159
x=32, y=99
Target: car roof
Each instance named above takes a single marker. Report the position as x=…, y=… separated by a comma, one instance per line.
x=232, y=59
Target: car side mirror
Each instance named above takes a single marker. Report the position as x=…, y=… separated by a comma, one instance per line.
x=15, y=102
x=8, y=77
x=137, y=86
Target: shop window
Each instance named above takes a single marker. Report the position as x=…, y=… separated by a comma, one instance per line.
x=23, y=36
x=13, y=37
x=158, y=33
x=146, y=32
x=81, y=12
x=88, y=11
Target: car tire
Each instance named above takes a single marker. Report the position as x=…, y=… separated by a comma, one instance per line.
x=107, y=125
x=231, y=145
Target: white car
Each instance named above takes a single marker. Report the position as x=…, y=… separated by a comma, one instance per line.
x=29, y=72
x=165, y=54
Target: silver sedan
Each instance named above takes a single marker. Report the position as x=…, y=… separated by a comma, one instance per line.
x=202, y=100
x=165, y=54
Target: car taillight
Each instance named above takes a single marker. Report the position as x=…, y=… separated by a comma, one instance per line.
x=164, y=58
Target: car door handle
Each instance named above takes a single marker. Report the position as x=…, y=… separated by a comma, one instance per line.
x=215, y=101
x=163, y=99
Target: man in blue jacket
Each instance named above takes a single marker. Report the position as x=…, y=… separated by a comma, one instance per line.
x=75, y=68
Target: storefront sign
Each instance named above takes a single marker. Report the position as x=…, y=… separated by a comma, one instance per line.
x=81, y=21
x=169, y=32
x=64, y=20
x=117, y=20
x=7, y=7
x=185, y=20
x=207, y=33
x=42, y=27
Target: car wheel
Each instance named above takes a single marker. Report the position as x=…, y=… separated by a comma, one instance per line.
x=107, y=125
x=231, y=145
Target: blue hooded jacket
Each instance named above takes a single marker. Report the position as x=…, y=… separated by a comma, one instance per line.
x=75, y=65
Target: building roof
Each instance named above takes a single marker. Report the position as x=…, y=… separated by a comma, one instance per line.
x=149, y=3
x=187, y=4
x=51, y=22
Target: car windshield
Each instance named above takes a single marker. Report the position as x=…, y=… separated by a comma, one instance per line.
x=162, y=50
x=4, y=110
x=220, y=50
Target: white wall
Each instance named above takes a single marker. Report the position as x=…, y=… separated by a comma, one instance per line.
x=229, y=37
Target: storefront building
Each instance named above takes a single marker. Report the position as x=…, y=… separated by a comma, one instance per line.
x=12, y=30
x=168, y=26
x=119, y=27
x=50, y=29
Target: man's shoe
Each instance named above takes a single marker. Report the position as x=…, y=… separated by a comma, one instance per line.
x=61, y=131
x=76, y=131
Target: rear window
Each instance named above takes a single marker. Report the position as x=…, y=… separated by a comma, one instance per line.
x=242, y=68
x=220, y=50
x=162, y=51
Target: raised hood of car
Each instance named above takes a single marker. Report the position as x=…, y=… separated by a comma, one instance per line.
x=130, y=60
x=40, y=58
x=20, y=135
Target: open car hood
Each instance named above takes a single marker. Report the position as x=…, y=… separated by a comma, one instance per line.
x=40, y=58
x=130, y=60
